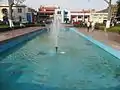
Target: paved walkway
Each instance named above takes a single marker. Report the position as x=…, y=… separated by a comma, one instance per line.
x=18, y=32
x=109, y=38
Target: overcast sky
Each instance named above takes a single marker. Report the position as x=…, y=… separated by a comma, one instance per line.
x=68, y=4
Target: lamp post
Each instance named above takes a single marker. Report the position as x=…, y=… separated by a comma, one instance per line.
x=10, y=2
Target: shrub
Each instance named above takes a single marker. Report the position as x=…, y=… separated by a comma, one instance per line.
x=4, y=26
x=114, y=29
x=99, y=26
x=2, y=23
x=79, y=24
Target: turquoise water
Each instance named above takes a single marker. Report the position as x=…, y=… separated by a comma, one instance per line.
x=79, y=65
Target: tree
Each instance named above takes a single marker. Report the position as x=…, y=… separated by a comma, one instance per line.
x=109, y=13
x=118, y=6
x=18, y=1
x=11, y=3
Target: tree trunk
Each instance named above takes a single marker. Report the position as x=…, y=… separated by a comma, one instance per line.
x=10, y=16
x=109, y=15
x=10, y=12
x=118, y=6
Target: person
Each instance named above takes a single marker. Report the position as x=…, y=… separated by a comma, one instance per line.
x=93, y=26
x=88, y=26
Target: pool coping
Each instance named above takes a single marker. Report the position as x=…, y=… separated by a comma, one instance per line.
x=15, y=35
x=11, y=42
x=105, y=47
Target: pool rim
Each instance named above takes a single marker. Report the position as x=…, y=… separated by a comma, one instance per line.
x=112, y=51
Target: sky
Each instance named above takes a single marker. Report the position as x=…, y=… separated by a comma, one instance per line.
x=68, y=4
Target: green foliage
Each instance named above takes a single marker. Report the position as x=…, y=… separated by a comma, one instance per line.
x=114, y=29
x=4, y=26
x=99, y=26
x=118, y=5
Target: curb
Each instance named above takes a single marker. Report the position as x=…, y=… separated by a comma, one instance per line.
x=110, y=50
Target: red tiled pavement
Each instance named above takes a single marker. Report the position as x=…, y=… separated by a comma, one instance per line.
x=108, y=38
x=14, y=33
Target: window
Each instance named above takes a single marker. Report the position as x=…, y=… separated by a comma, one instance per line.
x=65, y=12
x=4, y=11
x=79, y=16
x=59, y=12
x=86, y=16
x=19, y=10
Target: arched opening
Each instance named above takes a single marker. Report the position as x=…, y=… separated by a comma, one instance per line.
x=5, y=15
x=4, y=11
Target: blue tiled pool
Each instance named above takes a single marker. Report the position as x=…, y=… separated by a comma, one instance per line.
x=33, y=65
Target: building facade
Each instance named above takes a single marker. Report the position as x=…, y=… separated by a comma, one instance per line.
x=83, y=15
x=99, y=17
x=88, y=15
x=46, y=12
x=64, y=14
x=20, y=13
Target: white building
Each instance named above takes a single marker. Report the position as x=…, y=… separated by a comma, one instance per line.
x=83, y=15
x=20, y=13
x=64, y=14
x=88, y=15
x=99, y=17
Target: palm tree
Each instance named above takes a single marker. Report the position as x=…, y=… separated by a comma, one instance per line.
x=118, y=6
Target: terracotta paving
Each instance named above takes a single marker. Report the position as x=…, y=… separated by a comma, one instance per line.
x=108, y=38
x=14, y=33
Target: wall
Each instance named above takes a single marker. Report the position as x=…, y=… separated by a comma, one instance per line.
x=16, y=14
x=99, y=17
x=96, y=17
x=82, y=15
x=1, y=14
x=62, y=15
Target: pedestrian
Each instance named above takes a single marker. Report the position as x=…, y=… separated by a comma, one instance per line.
x=93, y=26
x=88, y=26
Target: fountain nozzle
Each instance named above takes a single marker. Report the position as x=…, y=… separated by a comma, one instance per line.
x=56, y=48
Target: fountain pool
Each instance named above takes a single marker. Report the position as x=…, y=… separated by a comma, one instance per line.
x=78, y=65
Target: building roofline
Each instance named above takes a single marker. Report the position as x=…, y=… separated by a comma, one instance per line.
x=13, y=6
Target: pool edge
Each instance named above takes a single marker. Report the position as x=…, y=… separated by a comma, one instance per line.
x=107, y=48
x=7, y=44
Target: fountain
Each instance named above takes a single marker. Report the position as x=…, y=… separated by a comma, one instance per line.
x=55, y=30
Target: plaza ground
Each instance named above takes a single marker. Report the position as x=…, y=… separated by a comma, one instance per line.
x=108, y=38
